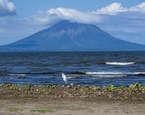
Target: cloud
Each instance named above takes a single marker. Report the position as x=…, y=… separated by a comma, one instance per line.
x=117, y=20
x=112, y=9
x=139, y=8
x=122, y=22
x=54, y=15
x=116, y=8
x=7, y=8
x=43, y=19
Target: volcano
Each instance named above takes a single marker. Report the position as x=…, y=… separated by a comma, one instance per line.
x=72, y=36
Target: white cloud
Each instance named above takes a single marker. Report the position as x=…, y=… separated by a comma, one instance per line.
x=124, y=23
x=116, y=8
x=138, y=8
x=19, y=28
x=117, y=20
x=54, y=15
x=7, y=8
x=112, y=9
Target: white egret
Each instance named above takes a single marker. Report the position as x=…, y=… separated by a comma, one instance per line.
x=64, y=78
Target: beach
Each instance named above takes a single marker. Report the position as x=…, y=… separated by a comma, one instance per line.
x=70, y=107
x=71, y=100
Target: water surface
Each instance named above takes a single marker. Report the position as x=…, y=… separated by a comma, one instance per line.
x=84, y=68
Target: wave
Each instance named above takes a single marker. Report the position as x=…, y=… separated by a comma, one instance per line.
x=110, y=76
x=104, y=73
x=120, y=63
x=116, y=73
x=17, y=75
x=41, y=73
x=25, y=73
x=78, y=74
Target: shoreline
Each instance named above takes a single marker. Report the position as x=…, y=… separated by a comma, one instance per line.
x=71, y=100
x=133, y=92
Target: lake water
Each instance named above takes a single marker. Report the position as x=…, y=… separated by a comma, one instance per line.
x=83, y=68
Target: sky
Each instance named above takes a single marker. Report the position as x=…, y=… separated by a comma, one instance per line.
x=124, y=19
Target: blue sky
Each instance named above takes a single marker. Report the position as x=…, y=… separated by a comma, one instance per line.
x=124, y=19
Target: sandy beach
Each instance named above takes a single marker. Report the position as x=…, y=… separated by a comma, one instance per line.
x=70, y=107
x=71, y=100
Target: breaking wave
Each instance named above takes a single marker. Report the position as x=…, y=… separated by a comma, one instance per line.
x=120, y=63
x=17, y=75
x=116, y=73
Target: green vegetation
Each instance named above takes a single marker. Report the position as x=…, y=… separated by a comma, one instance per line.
x=134, y=91
x=136, y=88
x=111, y=88
x=41, y=111
x=14, y=109
x=48, y=109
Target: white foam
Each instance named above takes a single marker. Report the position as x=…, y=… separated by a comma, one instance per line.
x=120, y=63
x=18, y=75
x=136, y=73
x=109, y=76
x=104, y=73
x=114, y=73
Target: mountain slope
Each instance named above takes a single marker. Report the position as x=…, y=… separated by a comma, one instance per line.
x=71, y=36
